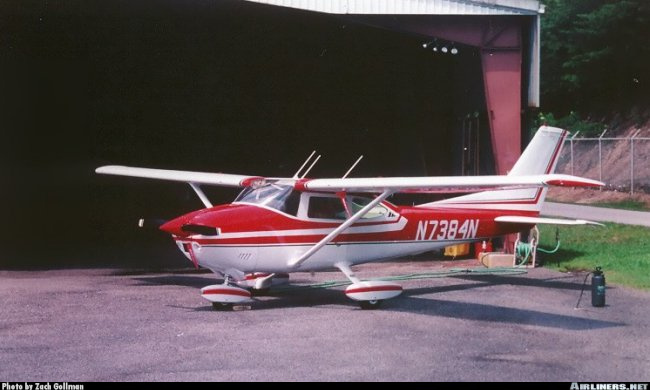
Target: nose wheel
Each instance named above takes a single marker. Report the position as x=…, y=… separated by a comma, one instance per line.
x=223, y=297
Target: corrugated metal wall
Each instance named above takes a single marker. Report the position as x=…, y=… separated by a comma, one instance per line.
x=413, y=7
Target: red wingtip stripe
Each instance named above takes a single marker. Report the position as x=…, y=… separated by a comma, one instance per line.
x=252, y=181
x=572, y=183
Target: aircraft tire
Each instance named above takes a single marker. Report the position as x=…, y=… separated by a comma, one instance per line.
x=370, y=305
x=222, y=306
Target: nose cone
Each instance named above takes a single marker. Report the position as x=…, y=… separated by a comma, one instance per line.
x=204, y=222
x=174, y=226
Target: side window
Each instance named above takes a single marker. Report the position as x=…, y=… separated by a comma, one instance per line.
x=356, y=203
x=325, y=208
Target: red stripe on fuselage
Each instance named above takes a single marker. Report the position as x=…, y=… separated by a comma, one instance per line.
x=243, y=217
x=255, y=235
x=534, y=200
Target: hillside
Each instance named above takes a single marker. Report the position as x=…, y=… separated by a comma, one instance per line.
x=616, y=158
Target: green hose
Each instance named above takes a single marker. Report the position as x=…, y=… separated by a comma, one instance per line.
x=525, y=249
x=557, y=246
x=550, y=252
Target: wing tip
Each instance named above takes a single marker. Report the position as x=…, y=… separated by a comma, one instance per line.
x=573, y=181
x=107, y=169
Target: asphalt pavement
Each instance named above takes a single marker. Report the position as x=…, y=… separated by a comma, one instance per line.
x=598, y=214
x=110, y=325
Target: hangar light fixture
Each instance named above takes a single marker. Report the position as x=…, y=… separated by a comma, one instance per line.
x=433, y=45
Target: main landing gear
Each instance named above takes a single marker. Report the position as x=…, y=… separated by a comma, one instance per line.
x=370, y=305
x=236, y=291
x=222, y=306
x=370, y=294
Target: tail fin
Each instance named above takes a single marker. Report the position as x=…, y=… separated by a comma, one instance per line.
x=541, y=154
x=540, y=157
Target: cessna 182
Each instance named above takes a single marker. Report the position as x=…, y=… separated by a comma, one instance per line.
x=281, y=225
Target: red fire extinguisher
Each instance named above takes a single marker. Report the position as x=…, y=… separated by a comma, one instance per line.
x=482, y=247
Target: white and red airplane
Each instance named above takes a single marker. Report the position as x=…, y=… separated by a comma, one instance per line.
x=281, y=225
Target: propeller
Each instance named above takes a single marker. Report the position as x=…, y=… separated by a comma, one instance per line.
x=151, y=223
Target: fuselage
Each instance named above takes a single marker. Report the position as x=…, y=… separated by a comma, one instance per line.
x=264, y=232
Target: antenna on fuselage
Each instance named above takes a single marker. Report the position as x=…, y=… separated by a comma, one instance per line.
x=352, y=167
x=310, y=167
x=295, y=175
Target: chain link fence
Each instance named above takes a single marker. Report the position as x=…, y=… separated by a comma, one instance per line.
x=622, y=163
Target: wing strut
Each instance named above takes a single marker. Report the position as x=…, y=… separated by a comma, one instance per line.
x=201, y=194
x=334, y=233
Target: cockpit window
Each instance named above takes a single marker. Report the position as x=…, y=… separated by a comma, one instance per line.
x=291, y=203
x=279, y=197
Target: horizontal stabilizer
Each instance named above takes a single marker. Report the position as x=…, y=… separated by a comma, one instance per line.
x=546, y=221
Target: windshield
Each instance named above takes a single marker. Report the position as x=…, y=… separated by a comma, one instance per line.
x=279, y=197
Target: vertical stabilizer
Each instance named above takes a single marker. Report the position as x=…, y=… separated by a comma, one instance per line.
x=540, y=156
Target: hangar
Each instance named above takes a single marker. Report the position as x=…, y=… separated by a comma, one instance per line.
x=251, y=87
x=503, y=34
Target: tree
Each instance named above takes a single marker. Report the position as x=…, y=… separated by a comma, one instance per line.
x=595, y=55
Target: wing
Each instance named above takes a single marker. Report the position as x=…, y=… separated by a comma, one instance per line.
x=444, y=183
x=216, y=179
x=194, y=179
x=548, y=221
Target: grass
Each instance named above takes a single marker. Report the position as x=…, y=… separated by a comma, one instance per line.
x=622, y=251
x=634, y=205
